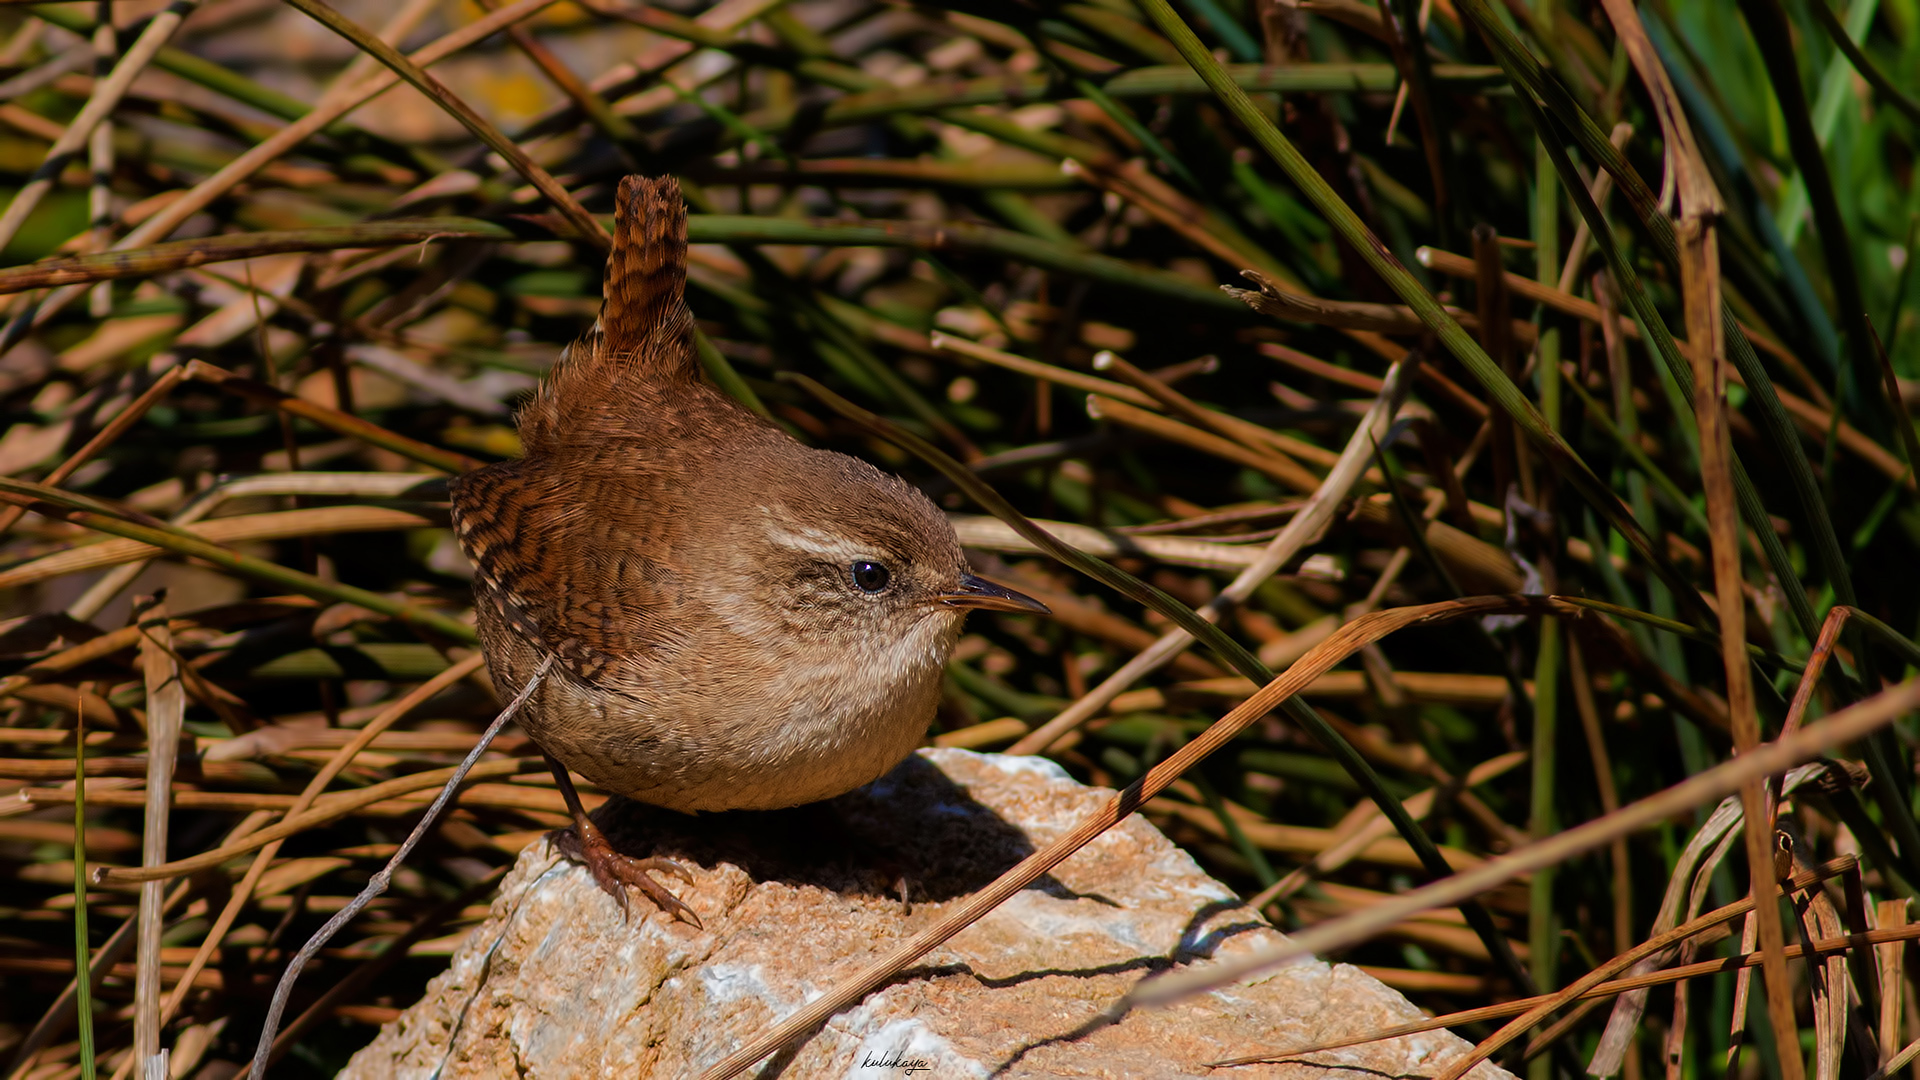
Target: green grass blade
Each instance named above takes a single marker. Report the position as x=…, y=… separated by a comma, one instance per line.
x=1525, y=70
x=1500, y=389
x=82, y=946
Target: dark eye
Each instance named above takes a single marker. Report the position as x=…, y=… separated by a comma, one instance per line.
x=870, y=576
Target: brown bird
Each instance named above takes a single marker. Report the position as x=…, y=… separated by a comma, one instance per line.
x=735, y=620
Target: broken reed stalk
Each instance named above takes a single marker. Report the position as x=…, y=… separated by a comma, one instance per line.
x=1700, y=284
x=242, y=893
x=380, y=880
x=166, y=712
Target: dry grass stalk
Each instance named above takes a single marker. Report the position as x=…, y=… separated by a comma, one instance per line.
x=1305, y=526
x=1540, y=1007
x=1723, y=779
x=882, y=185
x=166, y=711
x=384, y=877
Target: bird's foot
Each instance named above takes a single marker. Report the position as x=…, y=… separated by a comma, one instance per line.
x=613, y=872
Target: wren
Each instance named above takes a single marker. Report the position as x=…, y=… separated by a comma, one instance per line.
x=736, y=621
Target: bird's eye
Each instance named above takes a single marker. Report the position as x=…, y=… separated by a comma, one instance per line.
x=870, y=576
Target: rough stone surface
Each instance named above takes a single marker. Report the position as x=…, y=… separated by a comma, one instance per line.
x=557, y=983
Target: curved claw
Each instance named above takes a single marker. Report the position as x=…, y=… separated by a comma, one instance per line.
x=668, y=866
x=614, y=872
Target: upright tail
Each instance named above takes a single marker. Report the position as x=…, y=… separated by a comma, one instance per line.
x=645, y=333
x=646, y=307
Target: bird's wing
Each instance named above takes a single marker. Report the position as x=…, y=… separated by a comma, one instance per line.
x=567, y=562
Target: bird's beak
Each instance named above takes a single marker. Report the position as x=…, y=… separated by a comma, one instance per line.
x=977, y=592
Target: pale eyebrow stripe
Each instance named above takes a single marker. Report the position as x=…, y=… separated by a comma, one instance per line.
x=816, y=542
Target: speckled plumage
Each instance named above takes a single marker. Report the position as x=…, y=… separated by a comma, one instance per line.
x=686, y=564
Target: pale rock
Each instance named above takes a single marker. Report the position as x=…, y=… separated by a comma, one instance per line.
x=557, y=983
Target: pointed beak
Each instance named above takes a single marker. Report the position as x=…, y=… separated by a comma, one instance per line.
x=979, y=593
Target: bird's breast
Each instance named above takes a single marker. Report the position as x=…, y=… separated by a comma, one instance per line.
x=758, y=728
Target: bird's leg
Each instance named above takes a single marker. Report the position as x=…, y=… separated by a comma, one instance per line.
x=613, y=871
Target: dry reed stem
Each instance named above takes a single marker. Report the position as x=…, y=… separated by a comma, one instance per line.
x=102, y=439
x=166, y=711
x=1305, y=527
x=476, y=796
x=1365, y=826
x=106, y=96
x=55, y=504
x=986, y=533
x=1700, y=205
x=1543, y=1005
x=345, y=423
x=987, y=93
x=1345, y=641
x=1700, y=275
x=242, y=893
x=585, y=225
x=1890, y=916
x=324, y=810
x=380, y=880
x=1282, y=469
x=1278, y=464
x=1723, y=779
x=1270, y=299
x=1590, y=726
x=281, y=525
x=1901, y=1060
x=330, y=109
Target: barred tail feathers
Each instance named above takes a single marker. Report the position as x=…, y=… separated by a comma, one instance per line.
x=644, y=335
x=646, y=308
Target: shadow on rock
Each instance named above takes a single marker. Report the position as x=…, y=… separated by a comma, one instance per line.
x=913, y=824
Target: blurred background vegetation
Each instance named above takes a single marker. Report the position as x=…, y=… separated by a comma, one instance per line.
x=1004, y=226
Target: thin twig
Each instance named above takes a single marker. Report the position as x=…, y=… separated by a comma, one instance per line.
x=242, y=893
x=379, y=882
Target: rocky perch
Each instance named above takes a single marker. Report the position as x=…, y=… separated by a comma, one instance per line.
x=559, y=983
